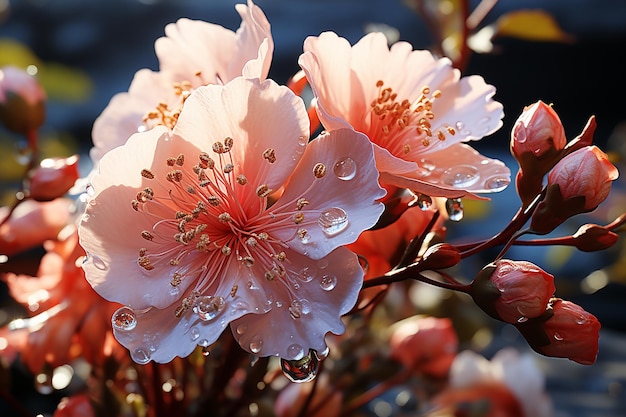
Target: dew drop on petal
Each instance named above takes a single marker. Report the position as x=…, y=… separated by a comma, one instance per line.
x=203, y=343
x=194, y=333
x=324, y=353
x=174, y=290
x=98, y=263
x=295, y=309
x=141, y=355
x=460, y=176
x=425, y=167
x=208, y=307
x=497, y=183
x=557, y=337
x=460, y=125
x=301, y=370
x=328, y=282
x=322, y=263
x=522, y=319
x=241, y=329
x=307, y=273
x=333, y=221
x=256, y=344
x=345, y=169
x=454, y=208
x=295, y=351
x=303, y=140
x=124, y=319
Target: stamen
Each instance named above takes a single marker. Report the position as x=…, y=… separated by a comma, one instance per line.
x=270, y=155
x=319, y=170
x=263, y=191
x=146, y=173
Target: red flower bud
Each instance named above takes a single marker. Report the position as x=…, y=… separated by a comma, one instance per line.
x=578, y=183
x=592, y=237
x=22, y=100
x=537, y=131
x=440, y=256
x=426, y=344
x=513, y=291
x=53, y=178
x=565, y=331
x=75, y=406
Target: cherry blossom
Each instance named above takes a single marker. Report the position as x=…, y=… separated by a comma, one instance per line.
x=231, y=218
x=416, y=109
x=192, y=53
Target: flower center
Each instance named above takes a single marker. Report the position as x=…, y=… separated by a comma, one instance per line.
x=393, y=116
x=207, y=216
x=166, y=114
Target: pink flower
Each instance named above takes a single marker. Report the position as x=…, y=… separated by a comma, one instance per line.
x=426, y=344
x=22, y=100
x=192, y=53
x=511, y=383
x=567, y=331
x=415, y=109
x=513, y=291
x=578, y=183
x=232, y=218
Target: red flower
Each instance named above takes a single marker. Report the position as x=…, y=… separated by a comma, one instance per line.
x=426, y=344
x=53, y=178
x=538, y=131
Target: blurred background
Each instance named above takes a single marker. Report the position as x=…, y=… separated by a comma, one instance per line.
x=85, y=51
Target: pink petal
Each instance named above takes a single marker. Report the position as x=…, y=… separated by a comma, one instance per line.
x=258, y=115
x=454, y=172
x=347, y=194
x=110, y=231
x=331, y=291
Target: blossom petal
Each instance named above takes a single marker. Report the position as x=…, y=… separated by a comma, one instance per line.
x=345, y=196
x=471, y=174
x=110, y=230
x=291, y=328
x=273, y=118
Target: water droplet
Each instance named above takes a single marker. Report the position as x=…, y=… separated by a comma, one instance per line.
x=205, y=351
x=90, y=190
x=203, y=343
x=304, y=236
x=295, y=351
x=345, y=169
x=323, y=263
x=333, y=221
x=460, y=125
x=307, y=273
x=256, y=344
x=194, y=333
x=522, y=319
x=241, y=329
x=124, y=319
x=454, y=208
x=303, y=140
x=301, y=370
x=460, y=176
x=99, y=263
x=581, y=320
x=558, y=337
x=141, y=355
x=295, y=309
x=425, y=167
x=423, y=201
x=497, y=183
x=328, y=282
x=174, y=290
x=208, y=307
x=324, y=353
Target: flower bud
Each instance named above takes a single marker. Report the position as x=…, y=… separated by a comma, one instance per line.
x=566, y=330
x=577, y=184
x=22, y=100
x=78, y=405
x=440, y=256
x=53, y=178
x=513, y=291
x=592, y=237
x=537, y=139
x=426, y=344
x=537, y=131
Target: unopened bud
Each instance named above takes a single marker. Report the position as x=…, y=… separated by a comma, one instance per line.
x=22, y=100
x=440, y=256
x=592, y=237
x=53, y=178
x=538, y=131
